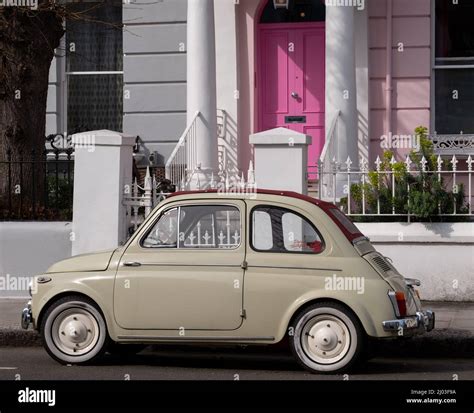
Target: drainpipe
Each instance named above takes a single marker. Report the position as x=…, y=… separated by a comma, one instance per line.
x=389, y=76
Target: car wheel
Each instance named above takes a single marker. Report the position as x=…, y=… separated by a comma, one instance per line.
x=74, y=331
x=326, y=338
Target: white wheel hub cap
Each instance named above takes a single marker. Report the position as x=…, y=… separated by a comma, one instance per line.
x=75, y=332
x=325, y=339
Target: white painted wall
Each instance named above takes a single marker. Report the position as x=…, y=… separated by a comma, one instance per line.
x=440, y=255
x=29, y=248
x=101, y=171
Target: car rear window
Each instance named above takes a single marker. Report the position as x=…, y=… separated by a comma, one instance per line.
x=345, y=224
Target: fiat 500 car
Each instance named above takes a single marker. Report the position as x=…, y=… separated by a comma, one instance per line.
x=210, y=268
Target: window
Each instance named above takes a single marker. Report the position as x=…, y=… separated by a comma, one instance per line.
x=200, y=226
x=94, y=66
x=281, y=230
x=454, y=67
x=298, y=11
x=209, y=226
x=165, y=232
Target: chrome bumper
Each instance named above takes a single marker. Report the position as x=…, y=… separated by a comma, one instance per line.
x=26, y=316
x=422, y=322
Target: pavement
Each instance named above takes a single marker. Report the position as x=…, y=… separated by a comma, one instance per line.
x=453, y=336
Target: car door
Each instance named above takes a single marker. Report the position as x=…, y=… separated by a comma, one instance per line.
x=184, y=270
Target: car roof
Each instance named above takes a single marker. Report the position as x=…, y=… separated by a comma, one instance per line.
x=243, y=194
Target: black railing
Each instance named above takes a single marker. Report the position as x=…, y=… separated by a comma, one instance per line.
x=37, y=186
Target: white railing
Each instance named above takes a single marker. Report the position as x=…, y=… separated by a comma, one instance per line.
x=184, y=156
x=327, y=160
x=453, y=144
x=209, y=239
x=139, y=200
x=385, y=190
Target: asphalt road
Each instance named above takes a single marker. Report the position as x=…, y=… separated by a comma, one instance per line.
x=33, y=363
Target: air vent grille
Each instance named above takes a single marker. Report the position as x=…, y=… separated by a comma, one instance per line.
x=381, y=263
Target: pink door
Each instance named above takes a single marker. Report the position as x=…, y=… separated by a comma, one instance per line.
x=291, y=81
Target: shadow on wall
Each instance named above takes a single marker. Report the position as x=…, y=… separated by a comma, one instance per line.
x=227, y=144
x=363, y=136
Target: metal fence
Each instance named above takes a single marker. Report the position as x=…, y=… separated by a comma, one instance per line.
x=411, y=189
x=37, y=186
x=139, y=200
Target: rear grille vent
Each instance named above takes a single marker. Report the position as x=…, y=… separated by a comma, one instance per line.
x=381, y=263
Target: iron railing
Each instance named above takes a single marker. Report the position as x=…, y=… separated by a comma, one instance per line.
x=392, y=188
x=183, y=159
x=326, y=185
x=37, y=186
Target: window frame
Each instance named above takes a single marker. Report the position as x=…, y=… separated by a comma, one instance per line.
x=434, y=68
x=152, y=227
x=66, y=74
x=297, y=213
x=177, y=247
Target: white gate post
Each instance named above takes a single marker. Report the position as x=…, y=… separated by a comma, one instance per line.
x=281, y=160
x=102, y=169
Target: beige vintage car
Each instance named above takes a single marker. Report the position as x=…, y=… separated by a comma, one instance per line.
x=209, y=267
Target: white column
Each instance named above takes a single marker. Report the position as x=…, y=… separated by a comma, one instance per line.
x=341, y=92
x=228, y=79
x=102, y=168
x=201, y=84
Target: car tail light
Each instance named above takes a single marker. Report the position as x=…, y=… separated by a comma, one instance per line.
x=401, y=303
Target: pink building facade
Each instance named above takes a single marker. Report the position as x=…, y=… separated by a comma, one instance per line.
x=374, y=61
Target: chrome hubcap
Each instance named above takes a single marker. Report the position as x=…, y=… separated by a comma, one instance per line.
x=325, y=339
x=75, y=331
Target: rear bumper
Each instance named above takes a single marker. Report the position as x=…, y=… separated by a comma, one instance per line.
x=420, y=323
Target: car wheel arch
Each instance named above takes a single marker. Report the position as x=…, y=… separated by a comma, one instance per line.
x=57, y=297
x=307, y=304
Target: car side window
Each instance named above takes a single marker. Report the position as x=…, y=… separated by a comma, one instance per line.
x=165, y=232
x=281, y=230
x=209, y=227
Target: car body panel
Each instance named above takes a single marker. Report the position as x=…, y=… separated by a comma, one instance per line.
x=97, y=261
x=236, y=296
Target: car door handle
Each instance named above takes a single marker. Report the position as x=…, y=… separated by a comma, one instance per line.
x=132, y=264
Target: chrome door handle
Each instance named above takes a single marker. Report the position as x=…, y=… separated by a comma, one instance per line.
x=295, y=95
x=132, y=264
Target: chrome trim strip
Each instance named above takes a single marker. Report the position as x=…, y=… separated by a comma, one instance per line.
x=393, y=300
x=294, y=268
x=201, y=338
